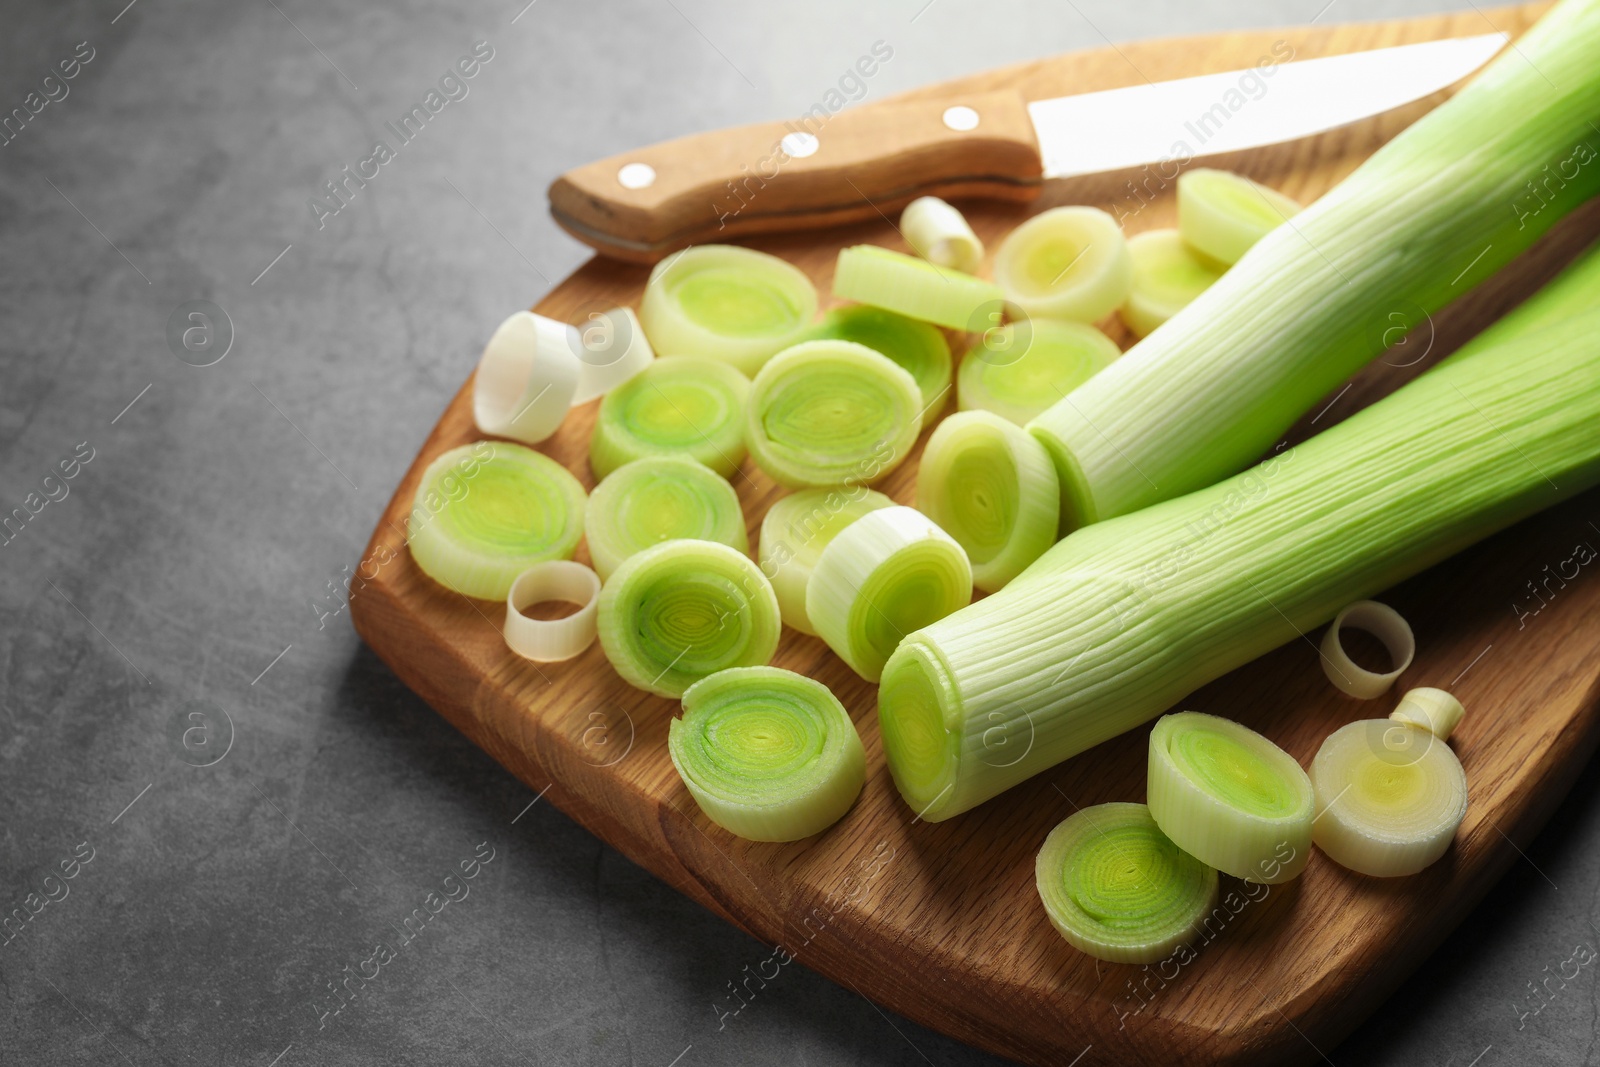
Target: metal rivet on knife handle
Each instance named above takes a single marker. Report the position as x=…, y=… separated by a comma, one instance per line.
x=636, y=176
x=961, y=118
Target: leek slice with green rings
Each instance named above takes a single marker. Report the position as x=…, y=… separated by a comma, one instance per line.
x=682, y=610
x=941, y=235
x=1066, y=263
x=1021, y=369
x=831, y=413
x=1229, y=797
x=1117, y=888
x=990, y=485
x=728, y=303
x=682, y=406
x=915, y=288
x=660, y=498
x=1221, y=214
x=919, y=347
x=486, y=512
x=767, y=754
x=1167, y=276
x=885, y=575
x=796, y=530
x=1390, y=796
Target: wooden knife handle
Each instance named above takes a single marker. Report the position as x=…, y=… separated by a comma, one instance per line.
x=863, y=162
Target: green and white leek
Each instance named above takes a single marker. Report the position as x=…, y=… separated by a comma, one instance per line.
x=683, y=406
x=831, y=413
x=919, y=347
x=1229, y=797
x=916, y=288
x=767, y=754
x=1167, y=277
x=989, y=485
x=487, y=512
x=1066, y=263
x=1438, y=209
x=1121, y=619
x=795, y=531
x=1020, y=369
x=1117, y=888
x=885, y=575
x=728, y=303
x=680, y=611
x=1222, y=214
x=660, y=498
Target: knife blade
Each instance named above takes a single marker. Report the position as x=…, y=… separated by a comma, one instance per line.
x=871, y=160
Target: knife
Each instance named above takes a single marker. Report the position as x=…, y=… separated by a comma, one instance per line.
x=873, y=160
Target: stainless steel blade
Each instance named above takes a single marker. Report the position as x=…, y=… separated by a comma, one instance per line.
x=1267, y=104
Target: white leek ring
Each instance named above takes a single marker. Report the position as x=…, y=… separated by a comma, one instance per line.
x=941, y=235
x=552, y=640
x=889, y=573
x=1066, y=263
x=1117, y=888
x=1390, y=796
x=795, y=531
x=728, y=303
x=526, y=379
x=612, y=348
x=1229, y=797
x=767, y=754
x=1382, y=622
x=1434, y=710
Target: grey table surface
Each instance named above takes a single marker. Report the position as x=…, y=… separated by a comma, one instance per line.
x=197, y=555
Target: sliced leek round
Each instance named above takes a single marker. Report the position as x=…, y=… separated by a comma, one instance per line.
x=1117, y=888
x=728, y=303
x=831, y=413
x=916, y=288
x=1390, y=796
x=682, y=610
x=486, y=512
x=992, y=487
x=660, y=498
x=1221, y=214
x=612, y=348
x=683, y=406
x=1229, y=797
x=767, y=754
x=1167, y=275
x=1382, y=622
x=527, y=378
x=1434, y=710
x=941, y=235
x=796, y=530
x=552, y=640
x=885, y=575
x=1066, y=263
x=919, y=347
x=1020, y=369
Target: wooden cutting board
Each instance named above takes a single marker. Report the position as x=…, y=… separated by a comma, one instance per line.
x=941, y=922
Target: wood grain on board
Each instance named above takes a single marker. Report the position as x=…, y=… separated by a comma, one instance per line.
x=941, y=922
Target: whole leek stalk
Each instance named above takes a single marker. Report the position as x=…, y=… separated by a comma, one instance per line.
x=1121, y=619
x=1440, y=208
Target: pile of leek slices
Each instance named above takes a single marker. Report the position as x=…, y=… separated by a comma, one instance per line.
x=726, y=359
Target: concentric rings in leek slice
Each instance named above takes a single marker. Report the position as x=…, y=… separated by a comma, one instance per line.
x=1066, y=263
x=919, y=347
x=1020, y=369
x=728, y=303
x=488, y=511
x=1167, y=276
x=680, y=611
x=1390, y=796
x=1117, y=888
x=796, y=530
x=1221, y=214
x=885, y=575
x=990, y=484
x=831, y=413
x=660, y=498
x=682, y=406
x=916, y=288
x=768, y=754
x=1229, y=797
